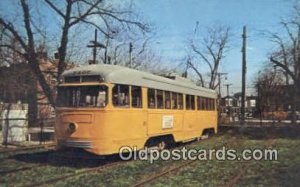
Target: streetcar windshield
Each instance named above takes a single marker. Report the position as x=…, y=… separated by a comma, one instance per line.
x=82, y=96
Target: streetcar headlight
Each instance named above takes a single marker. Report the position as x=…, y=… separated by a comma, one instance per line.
x=72, y=127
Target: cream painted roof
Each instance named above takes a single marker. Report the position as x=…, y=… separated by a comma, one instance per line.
x=122, y=75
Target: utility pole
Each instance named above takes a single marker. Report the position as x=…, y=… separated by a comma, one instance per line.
x=227, y=88
x=244, y=36
x=219, y=79
x=228, y=103
x=94, y=45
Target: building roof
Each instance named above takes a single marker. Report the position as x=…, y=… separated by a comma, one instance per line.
x=122, y=75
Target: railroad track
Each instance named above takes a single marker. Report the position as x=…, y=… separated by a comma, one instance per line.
x=28, y=148
x=105, y=165
x=172, y=170
x=46, y=159
x=22, y=169
x=244, y=168
x=4, y=154
x=75, y=173
x=41, y=160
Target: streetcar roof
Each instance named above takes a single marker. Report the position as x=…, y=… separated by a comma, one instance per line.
x=123, y=75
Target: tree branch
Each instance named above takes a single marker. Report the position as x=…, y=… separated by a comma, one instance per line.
x=11, y=29
x=196, y=70
x=31, y=49
x=31, y=56
x=144, y=46
x=95, y=25
x=202, y=56
x=277, y=63
x=55, y=8
x=86, y=14
x=13, y=49
x=121, y=20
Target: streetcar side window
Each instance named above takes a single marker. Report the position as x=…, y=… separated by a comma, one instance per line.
x=207, y=104
x=180, y=101
x=214, y=104
x=187, y=102
x=202, y=103
x=190, y=102
x=198, y=103
x=167, y=100
x=121, y=95
x=160, y=99
x=151, y=98
x=174, y=101
x=136, y=97
x=193, y=102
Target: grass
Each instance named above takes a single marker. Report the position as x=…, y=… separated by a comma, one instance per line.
x=283, y=172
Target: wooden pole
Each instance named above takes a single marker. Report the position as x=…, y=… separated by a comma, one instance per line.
x=244, y=36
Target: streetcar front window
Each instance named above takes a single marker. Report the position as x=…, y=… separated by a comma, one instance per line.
x=82, y=96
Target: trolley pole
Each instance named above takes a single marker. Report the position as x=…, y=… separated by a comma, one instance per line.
x=244, y=36
x=94, y=47
x=130, y=54
x=105, y=52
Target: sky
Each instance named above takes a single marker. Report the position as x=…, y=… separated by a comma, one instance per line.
x=174, y=22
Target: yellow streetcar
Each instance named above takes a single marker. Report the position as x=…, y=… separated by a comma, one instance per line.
x=104, y=107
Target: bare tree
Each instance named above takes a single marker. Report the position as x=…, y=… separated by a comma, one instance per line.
x=17, y=78
x=142, y=55
x=211, y=50
x=72, y=13
x=287, y=56
x=270, y=90
x=199, y=74
x=282, y=55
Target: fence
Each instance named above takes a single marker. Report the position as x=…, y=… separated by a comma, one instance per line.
x=15, y=129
